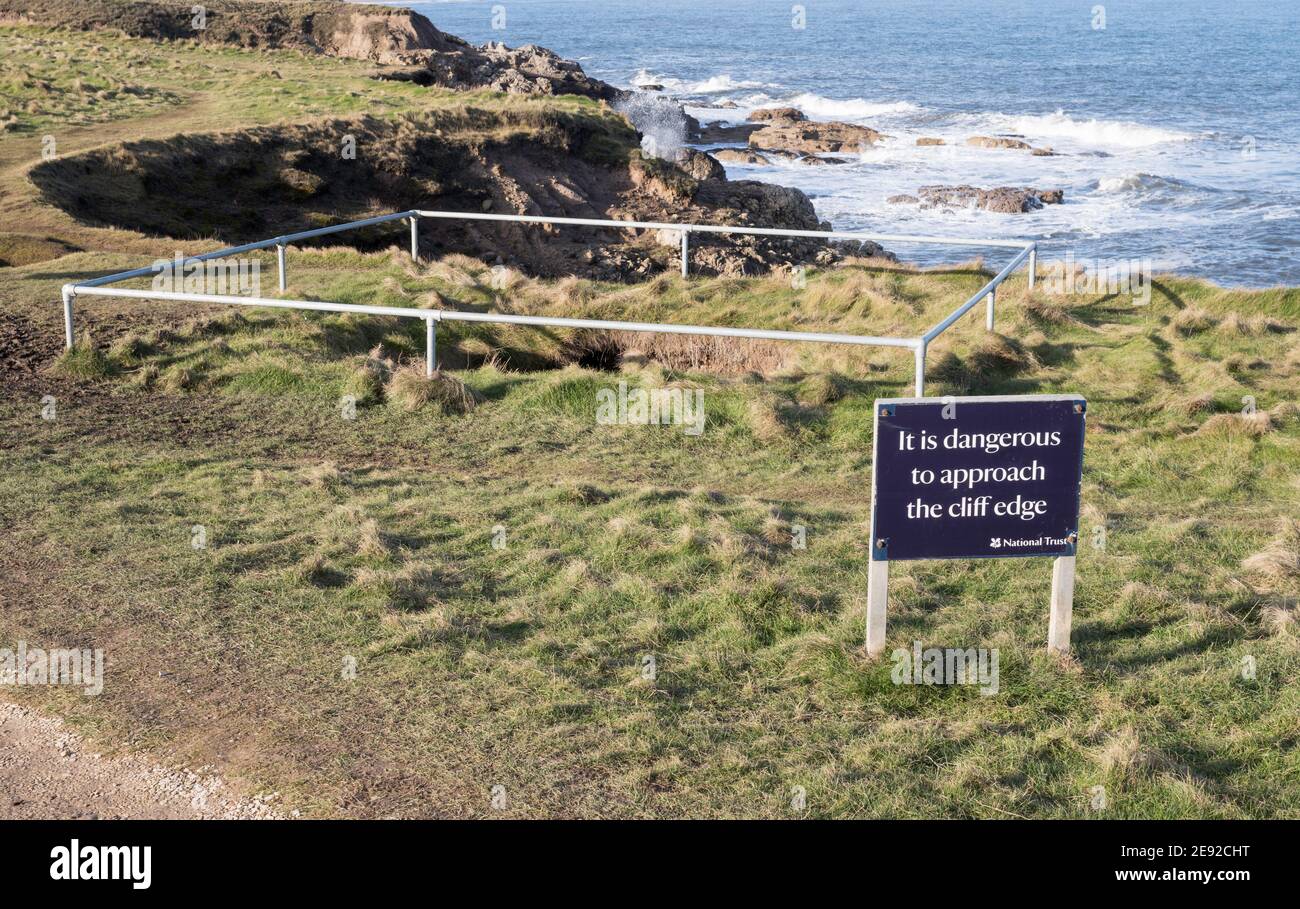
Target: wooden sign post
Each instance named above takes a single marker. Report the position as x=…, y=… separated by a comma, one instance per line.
x=976, y=478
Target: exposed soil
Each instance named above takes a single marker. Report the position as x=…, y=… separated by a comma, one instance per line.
x=25, y=348
x=259, y=182
x=49, y=771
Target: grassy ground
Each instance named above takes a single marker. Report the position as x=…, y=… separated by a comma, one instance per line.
x=369, y=542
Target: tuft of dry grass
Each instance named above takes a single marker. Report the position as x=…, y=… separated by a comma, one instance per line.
x=146, y=376
x=1191, y=405
x=322, y=475
x=1235, y=324
x=690, y=537
x=992, y=356
x=765, y=419
x=1280, y=618
x=1192, y=320
x=1043, y=308
x=1279, y=562
x=776, y=530
x=370, y=542
x=1125, y=759
x=995, y=353
x=178, y=378
x=1255, y=425
x=819, y=390
x=411, y=588
x=410, y=389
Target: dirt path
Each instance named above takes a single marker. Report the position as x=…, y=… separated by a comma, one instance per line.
x=48, y=771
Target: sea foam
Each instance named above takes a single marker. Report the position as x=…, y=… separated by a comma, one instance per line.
x=1089, y=133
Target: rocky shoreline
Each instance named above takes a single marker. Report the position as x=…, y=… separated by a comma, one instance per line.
x=786, y=134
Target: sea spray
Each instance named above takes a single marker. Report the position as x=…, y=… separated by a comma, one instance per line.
x=661, y=122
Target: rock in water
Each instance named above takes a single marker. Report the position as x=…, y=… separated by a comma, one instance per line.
x=718, y=131
x=738, y=156
x=997, y=142
x=764, y=204
x=1004, y=142
x=1004, y=199
x=789, y=114
x=813, y=138
x=701, y=166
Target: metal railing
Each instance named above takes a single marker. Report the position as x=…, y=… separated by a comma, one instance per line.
x=1028, y=250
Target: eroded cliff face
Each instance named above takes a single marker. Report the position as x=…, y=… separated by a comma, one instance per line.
x=251, y=184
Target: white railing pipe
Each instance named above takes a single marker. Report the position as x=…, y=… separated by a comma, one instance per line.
x=1028, y=250
x=724, y=229
x=979, y=295
x=444, y=315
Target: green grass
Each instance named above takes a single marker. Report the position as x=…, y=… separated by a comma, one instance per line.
x=52, y=80
x=520, y=664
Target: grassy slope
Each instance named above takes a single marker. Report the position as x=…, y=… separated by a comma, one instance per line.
x=372, y=538
x=476, y=666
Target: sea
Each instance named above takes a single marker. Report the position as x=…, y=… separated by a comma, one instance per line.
x=1175, y=123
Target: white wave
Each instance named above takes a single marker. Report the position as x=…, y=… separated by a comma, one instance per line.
x=645, y=77
x=713, y=85
x=721, y=83
x=1089, y=133
x=1127, y=183
x=818, y=106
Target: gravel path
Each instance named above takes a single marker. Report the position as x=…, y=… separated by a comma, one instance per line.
x=48, y=771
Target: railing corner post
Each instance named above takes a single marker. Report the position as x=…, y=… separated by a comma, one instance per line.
x=919, y=352
x=993, y=300
x=68, y=296
x=1033, y=264
x=415, y=238
x=282, y=266
x=686, y=252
